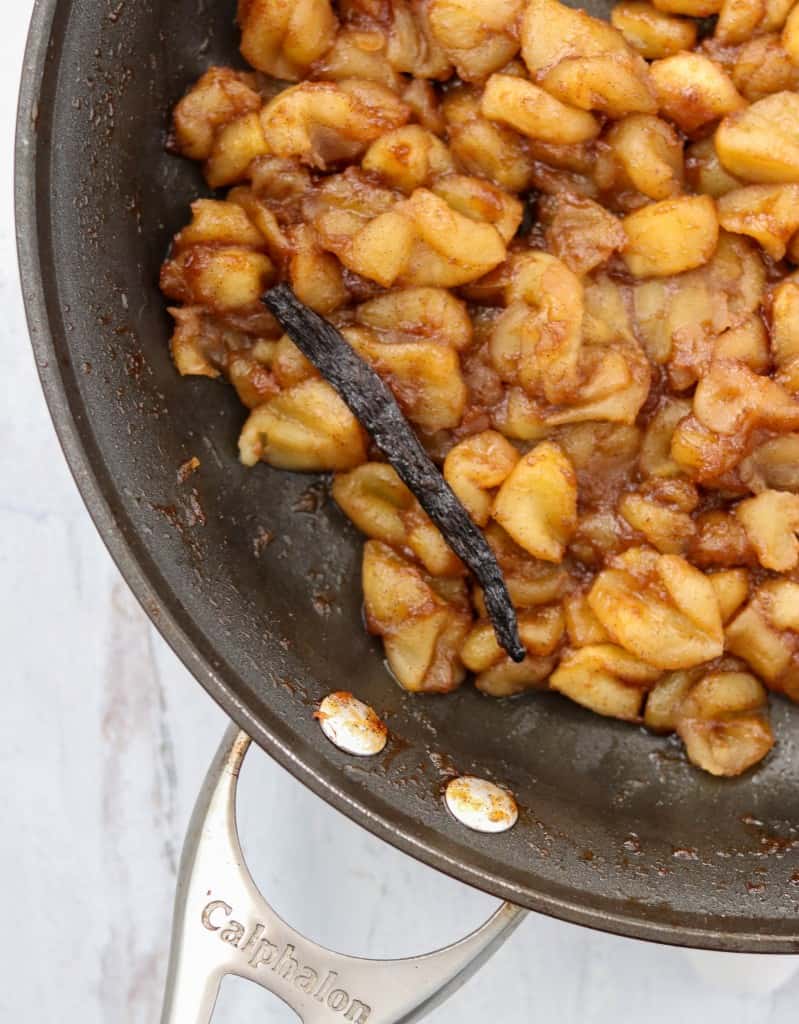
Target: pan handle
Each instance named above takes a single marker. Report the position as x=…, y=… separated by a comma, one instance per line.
x=223, y=925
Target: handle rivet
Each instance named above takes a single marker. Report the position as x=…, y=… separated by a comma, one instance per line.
x=481, y=805
x=351, y=725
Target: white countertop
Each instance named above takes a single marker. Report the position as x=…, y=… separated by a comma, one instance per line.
x=104, y=739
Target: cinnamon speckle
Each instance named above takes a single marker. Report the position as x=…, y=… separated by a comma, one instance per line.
x=632, y=844
x=311, y=499
x=261, y=541
x=187, y=468
x=196, y=514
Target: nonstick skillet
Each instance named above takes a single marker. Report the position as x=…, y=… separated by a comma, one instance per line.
x=617, y=831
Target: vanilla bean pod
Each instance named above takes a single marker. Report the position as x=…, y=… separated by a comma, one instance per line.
x=372, y=402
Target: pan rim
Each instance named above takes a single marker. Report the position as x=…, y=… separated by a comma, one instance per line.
x=428, y=849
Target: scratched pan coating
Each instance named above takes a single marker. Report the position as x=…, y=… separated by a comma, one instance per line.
x=615, y=831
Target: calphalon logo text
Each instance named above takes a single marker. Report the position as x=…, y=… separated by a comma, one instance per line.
x=260, y=952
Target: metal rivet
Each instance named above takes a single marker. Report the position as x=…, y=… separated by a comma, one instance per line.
x=351, y=725
x=480, y=805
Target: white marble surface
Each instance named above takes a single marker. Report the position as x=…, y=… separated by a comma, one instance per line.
x=104, y=739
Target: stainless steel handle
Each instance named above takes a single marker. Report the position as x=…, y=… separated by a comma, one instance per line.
x=223, y=925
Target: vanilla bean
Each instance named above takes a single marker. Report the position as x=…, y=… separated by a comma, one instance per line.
x=373, y=403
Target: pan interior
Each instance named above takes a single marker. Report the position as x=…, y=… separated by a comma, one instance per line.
x=254, y=575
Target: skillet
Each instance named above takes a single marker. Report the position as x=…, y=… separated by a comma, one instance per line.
x=617, y=831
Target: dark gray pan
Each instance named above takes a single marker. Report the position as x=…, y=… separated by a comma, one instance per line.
x=617, y=831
